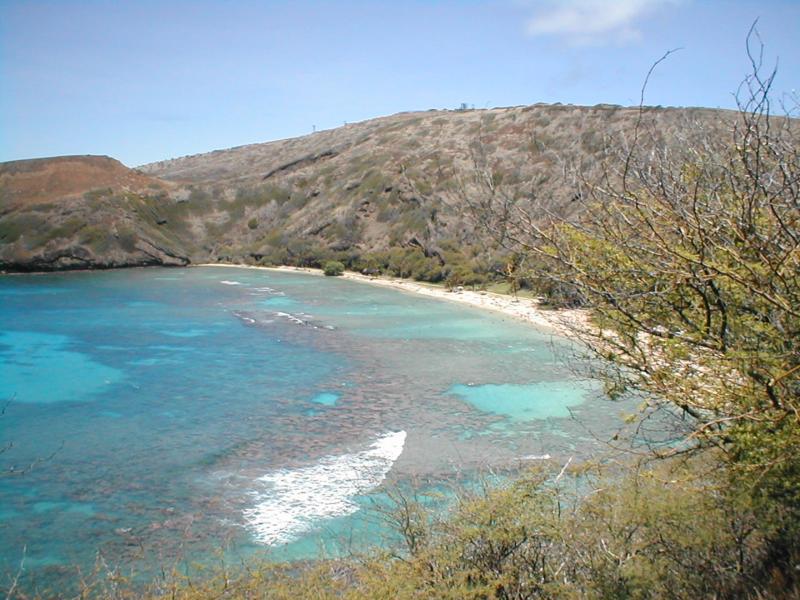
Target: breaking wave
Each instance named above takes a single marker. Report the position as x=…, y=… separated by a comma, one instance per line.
x=293, y=501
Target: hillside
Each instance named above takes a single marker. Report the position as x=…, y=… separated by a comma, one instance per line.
x=38, y=181
x=391, y=193
x=77, y=212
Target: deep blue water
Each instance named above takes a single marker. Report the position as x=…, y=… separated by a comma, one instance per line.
x=165, y=414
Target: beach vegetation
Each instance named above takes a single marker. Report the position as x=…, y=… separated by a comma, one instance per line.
x=464, y=274
x=333, y=268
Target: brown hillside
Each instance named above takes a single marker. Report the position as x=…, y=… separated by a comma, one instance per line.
x=47, y=179
x=416, y=138
x=391, y=194
x=406, y=180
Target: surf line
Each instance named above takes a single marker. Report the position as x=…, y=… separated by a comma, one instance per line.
x=291, y=502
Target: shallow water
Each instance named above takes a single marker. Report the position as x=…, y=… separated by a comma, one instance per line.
x=181, y=411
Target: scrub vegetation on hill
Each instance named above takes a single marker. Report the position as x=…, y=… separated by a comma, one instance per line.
x=387, y=195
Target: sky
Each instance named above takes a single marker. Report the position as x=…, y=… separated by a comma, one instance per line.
x=148, y=80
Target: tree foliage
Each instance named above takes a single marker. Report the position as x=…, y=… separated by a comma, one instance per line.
x=687, y=254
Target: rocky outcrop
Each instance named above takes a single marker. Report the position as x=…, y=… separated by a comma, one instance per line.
x=84, y=212
x=74, y=256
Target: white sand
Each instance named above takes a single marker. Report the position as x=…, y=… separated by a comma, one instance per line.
x=562, y=321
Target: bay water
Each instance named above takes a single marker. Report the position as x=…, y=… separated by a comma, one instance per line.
x=157, y=416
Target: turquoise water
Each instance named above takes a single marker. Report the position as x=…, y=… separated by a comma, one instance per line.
x=176, y=412
x=527, y=402
x=326, y=398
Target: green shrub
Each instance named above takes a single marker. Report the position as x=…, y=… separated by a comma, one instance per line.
x=66, y=229
x=12, y=228
x=333, y=268
x=97, y=194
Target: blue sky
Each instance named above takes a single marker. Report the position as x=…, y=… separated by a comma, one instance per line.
x=147, y=80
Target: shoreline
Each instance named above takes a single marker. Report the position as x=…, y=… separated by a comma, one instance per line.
x=562, y=322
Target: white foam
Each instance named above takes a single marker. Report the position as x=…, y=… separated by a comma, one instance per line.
x=293, y=501
x=291, y=317
x=244, y=317
x=268, y=290
x=226, y=282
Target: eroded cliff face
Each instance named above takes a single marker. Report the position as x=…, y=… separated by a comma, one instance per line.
x=412, y=181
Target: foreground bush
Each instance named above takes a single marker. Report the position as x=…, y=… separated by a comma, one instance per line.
x=669, y=531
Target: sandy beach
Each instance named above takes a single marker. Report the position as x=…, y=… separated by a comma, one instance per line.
x=561, y=322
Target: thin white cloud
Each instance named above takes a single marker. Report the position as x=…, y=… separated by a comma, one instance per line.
x=584, y=22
